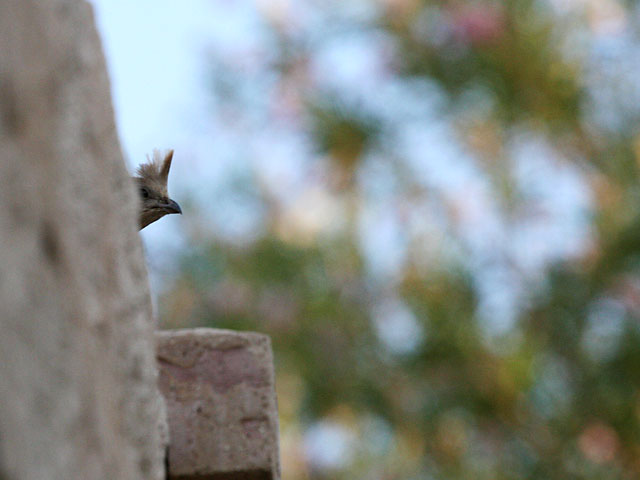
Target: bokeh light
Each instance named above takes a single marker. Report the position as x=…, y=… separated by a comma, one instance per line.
x=431, y=207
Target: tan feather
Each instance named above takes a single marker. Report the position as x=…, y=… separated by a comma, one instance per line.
x=152, y=180
x=166, y=165
x=157, y=167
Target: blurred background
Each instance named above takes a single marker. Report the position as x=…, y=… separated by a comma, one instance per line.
x=432, y=207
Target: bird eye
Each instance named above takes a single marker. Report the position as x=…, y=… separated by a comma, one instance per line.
x=144, y=192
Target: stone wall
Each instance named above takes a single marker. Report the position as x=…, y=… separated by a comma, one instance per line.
x=78, y=394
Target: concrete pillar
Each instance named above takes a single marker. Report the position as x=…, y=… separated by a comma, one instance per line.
x=221, y=405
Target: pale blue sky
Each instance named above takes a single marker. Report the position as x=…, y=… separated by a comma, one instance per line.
x=154, y=52
x=161, y=56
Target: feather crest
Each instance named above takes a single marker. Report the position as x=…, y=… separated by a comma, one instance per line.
x=157, y=167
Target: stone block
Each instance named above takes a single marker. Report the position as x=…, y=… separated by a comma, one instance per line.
x=221, y=405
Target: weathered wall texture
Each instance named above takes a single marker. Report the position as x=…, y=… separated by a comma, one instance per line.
x=78, y=396
x=221, y=403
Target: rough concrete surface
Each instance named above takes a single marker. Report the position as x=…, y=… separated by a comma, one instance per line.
x=221, y=406
x=78, y=379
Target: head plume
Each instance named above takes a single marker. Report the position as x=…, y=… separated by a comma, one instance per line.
x=157, y=167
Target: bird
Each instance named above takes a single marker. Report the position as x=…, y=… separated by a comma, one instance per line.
x=151, y=180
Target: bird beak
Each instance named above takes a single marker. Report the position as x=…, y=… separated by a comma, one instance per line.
x=171, y=207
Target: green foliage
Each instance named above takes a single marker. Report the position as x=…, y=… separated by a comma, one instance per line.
x=556, y=393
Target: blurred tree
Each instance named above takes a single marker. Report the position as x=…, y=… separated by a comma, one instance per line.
x=448, y=263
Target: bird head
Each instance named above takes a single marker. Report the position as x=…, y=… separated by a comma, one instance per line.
x=151, y=181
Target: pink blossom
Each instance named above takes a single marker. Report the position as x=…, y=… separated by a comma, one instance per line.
x=478, y=24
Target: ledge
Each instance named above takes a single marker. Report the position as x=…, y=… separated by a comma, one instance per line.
x=221, y=404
